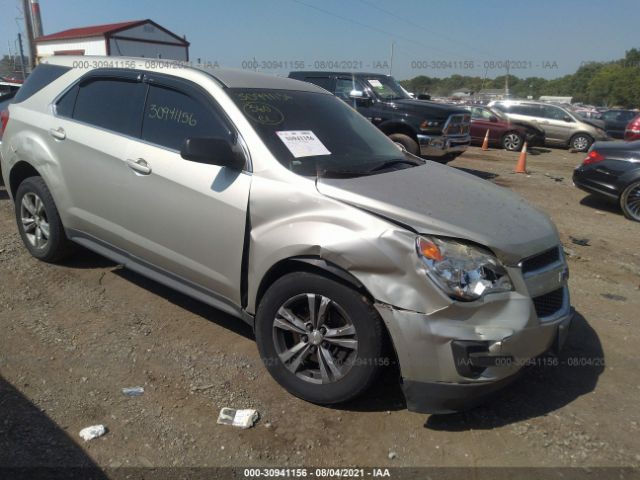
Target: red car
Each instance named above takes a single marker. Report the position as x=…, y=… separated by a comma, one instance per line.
x=632, y=132
x=503, y=133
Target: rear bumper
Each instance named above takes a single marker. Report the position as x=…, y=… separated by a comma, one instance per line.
x=583, y=181
x=440, y=145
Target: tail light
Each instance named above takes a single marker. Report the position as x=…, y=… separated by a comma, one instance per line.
x=4, y=119
x=593, y=157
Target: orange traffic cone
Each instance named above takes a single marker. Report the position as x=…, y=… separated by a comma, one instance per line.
x=521, y=167
x=485, y=143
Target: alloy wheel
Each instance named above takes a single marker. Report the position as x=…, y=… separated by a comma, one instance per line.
x=34, y=220
x=512, y=142
x=581, y=143
x=315, y=339
x=632, y=202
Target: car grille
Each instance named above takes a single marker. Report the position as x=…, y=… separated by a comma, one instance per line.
x=544, y=259
x=549, y=303
x=457, y=125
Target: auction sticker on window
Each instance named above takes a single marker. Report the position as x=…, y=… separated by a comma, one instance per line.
x=375, y=83
x=303, y=143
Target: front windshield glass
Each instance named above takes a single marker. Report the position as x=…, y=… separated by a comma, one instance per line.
x=315, y=133
x=386, y=88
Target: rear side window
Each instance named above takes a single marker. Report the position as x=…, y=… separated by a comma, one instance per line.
x=42, y=76
x=170, y=116
x=322, y=82
x=530, y=110
x=113, y=104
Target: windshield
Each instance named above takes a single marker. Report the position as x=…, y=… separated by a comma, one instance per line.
x=386, y=88
x=315, y=133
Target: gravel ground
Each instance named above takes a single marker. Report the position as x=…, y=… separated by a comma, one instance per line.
x=73, y=335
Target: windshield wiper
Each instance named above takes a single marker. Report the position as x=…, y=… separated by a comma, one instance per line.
x=392, y=163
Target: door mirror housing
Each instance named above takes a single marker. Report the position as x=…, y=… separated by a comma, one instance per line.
x=213, y=151
x=361, y=98
x=567, y=118
x=493, y=119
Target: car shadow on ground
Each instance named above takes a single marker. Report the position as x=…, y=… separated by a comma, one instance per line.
x=538, y=150
x=599, y=203
x=34, y=446
x=478, y=173
x=541, y=389
x=4, y=195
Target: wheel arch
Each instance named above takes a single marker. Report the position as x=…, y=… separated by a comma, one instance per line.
x=309, y=264
x=20, y=172
x=389, y=128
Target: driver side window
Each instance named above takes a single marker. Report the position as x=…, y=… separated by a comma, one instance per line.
x=345, y=86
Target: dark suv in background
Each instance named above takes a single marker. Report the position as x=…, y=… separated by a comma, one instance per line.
x=422, y=127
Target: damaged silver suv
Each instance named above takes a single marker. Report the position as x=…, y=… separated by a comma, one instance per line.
x=272, y=200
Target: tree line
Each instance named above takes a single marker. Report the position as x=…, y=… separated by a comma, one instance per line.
x=613, y=83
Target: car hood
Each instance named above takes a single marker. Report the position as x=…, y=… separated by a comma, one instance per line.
x=426, y=105
x=440, y=200
x=593, y=122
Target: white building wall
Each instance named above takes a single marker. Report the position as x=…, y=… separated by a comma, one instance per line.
x=91, y=46
x=132, y=48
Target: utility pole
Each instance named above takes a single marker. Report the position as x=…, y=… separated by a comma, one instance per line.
x=24, y=71
x=391, y=62
x=506, y=82
x=36, y=19
x=29, y=31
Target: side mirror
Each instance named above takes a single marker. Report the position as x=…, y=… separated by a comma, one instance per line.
x=424, y=96
x=567, y=118
x=361, y=98
x=213, y=151
x=356, y=94
x=493, y=119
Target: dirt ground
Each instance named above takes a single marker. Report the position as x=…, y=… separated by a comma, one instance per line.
x=73, y=335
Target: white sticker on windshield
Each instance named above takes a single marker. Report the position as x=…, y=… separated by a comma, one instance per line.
x=375, y=83
x=303, y=143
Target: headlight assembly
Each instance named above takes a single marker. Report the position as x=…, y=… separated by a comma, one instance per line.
x=463, y=271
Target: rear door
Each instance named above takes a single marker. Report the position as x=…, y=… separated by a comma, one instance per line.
x=186, y=218
x=93, y=124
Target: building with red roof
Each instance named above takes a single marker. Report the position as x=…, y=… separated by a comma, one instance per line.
x=139, y=38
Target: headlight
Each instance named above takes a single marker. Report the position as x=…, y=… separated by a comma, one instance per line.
x=429, y=125
x=463, y=271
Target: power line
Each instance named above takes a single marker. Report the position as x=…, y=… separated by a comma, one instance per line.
x=416, y=25
x=370, y=27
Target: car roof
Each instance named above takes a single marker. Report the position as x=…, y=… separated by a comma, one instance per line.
x=318, y=73
x=230, y=78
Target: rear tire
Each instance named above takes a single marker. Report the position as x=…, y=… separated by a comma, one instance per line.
x=630, y=201
x=39, y=223
x=409, y=144
x=353, y=338
x=580, y=142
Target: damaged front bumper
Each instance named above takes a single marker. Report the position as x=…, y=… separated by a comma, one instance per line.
x=440, y=146
x=452, y=359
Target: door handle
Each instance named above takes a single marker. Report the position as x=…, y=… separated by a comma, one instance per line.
x=139, y=165
x=58, y=133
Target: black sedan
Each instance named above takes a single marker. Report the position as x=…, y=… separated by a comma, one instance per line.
x=612, y=170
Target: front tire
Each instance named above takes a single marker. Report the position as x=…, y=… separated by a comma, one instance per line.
x=409, y=144
x=630, y=201
x=580, y=142
x=512, y=141
x=39, y=223
x=319, y=339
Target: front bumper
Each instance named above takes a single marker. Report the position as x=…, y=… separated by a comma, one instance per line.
x=535, y=139
x=441, y=145
x=435, y=377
